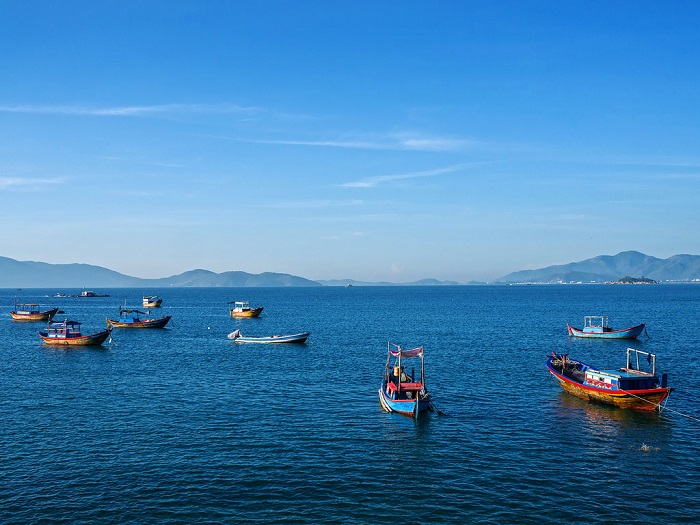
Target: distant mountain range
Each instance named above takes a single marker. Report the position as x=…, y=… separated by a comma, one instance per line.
x=604, y=268
x=29, y=274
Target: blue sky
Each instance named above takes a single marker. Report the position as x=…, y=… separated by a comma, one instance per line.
x=392, y=140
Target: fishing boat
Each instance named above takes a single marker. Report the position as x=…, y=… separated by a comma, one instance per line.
x=243, y=309
x=32, y=312
x=238, y=337
x=151, y=301
x=90, y=293
x=597, y=326
x=400, y=391
x=68, y=333
x=628, y=387
x=131, y=318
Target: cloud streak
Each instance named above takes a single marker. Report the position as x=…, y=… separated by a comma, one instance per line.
x=373, y=182
x=9, y=183
x=126, y=111
x=391, y=141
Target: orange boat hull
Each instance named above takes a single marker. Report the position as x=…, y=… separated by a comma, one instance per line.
x=254, y=312
x=83, y=340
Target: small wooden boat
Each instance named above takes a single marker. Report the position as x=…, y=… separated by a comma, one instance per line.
x=597, y=326
x=238, y=337
x=32, y=312
x=243, y=309
x=152, y=301
x=628, y=387
x=130, y=318
x=400, y=391
x=67, y=333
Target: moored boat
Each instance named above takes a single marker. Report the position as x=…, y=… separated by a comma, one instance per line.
x=32, y=312
x=151, y=301
x=132, y=318
x=68, y=333
x=400, y=391
x=243, y=309
x=628, y=387
x=597, y=326
x=238, y=337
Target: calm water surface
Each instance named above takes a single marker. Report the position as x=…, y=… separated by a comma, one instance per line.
x=183, y=426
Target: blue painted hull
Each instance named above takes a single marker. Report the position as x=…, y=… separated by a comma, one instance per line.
x=406, y=407
x=275, y=339
x=628, y=333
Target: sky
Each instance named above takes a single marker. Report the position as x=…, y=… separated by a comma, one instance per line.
x=367, y=140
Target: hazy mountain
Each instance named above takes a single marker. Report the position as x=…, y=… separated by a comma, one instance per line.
x=613, y=267
x=29, y=274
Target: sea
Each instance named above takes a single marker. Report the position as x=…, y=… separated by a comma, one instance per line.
x=183, y=426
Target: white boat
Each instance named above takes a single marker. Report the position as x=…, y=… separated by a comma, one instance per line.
x=238, y=337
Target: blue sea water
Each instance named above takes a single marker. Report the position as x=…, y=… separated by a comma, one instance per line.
x=183, y=426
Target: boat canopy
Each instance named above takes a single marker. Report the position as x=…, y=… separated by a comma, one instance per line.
x=415, y=352
x=57, y=324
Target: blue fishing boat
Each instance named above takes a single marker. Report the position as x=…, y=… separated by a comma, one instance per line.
x=132, y=318
x=400, y=391
x=597, y=326
x=238, y=337
x=628, y=387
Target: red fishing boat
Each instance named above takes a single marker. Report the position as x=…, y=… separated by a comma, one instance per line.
x=628, y=387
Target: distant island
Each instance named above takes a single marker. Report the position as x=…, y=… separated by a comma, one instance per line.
x=634, y=280
x=598, y=270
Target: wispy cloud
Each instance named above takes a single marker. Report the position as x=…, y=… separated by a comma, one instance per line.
x=126, y=111
x=9, y=183
x=311, y=204
x=405, y=141
x=372, y=182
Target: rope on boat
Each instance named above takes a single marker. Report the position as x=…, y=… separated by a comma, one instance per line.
x=646, y=333
x=662, y=407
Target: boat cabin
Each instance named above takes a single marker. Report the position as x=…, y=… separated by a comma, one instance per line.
x=402, y=386
x=595, y=324
x=63, y=330
x=27, y=309
x=87, y=293
x=132, y=316
x=239, y=306
x=632, y=377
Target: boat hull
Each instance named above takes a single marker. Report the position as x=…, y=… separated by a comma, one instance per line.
x=628, y=333
x=34, y=316
x=295, y=338
x=646, y=400
x=95, y=339
x=254, y=312
x=406, y=407
x=148, y=323
x=153, y=304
